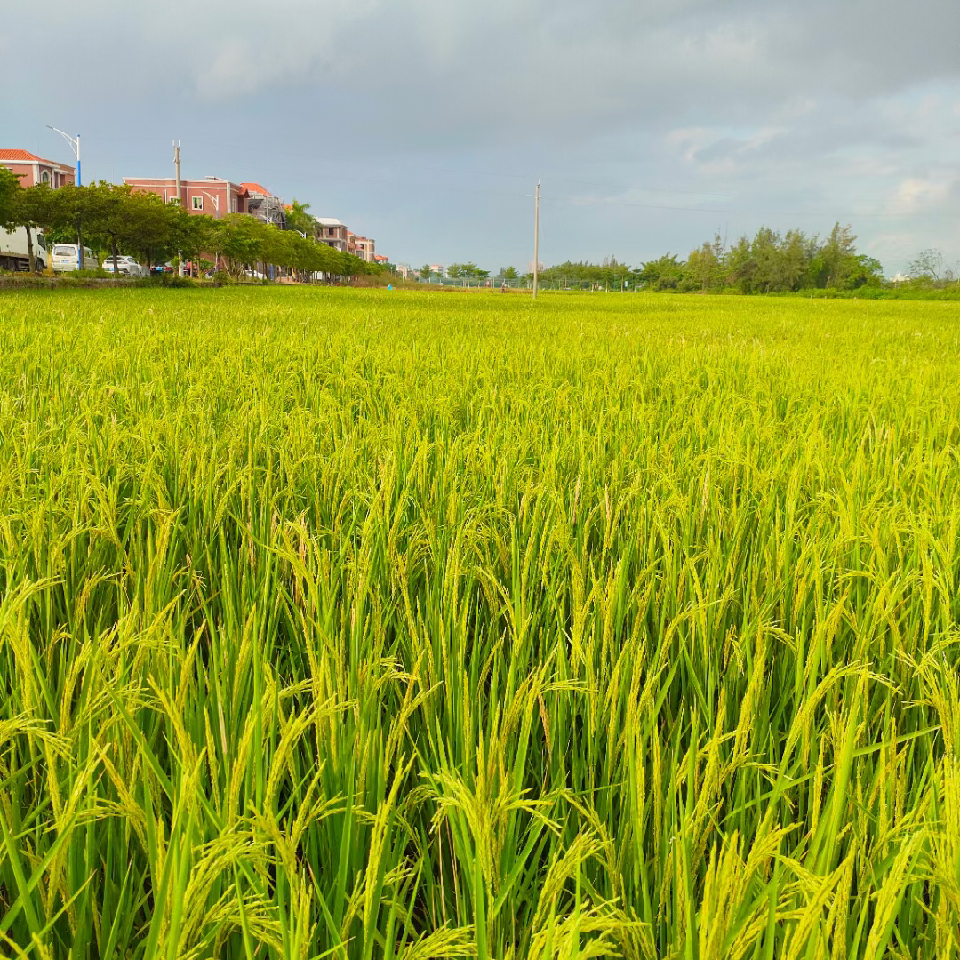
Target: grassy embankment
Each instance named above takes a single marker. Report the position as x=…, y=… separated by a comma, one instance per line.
x=392, y=625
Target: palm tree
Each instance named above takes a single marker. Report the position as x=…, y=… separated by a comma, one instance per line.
x=298, y=218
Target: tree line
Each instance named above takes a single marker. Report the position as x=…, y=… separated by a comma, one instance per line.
x=769, y=262
x=115, y=219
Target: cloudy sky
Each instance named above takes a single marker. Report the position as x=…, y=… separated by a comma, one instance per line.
x=653, y=124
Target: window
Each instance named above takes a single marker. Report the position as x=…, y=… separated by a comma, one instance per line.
x=233, y=204
x=45, y=177
x=198, y=203
x=174, y=200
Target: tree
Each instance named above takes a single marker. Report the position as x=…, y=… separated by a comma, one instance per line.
x=766, y=257
x=155, y=228
x=33, y=209
x=110, y=217
x=609, y=272
x=240, y=239
x=297, y=218
x=927, y=266
x=664, y=273
x=868, y=272
x=704, y=267
x=339, y=265
x=116, y=217
x=510, y=273
x=278, y=247
x=9, y=185
x=740, y=266
x=796, y=251
x=60, y=213
x=463, y=271
x=425, y=272
x=838, y=258
x=195, y=236
x=69, y=215
x=769, y=263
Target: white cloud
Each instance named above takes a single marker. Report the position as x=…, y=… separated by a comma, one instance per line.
x=918, y=194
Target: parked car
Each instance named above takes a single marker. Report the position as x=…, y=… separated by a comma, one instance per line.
x=126, y=266
x=63, y=258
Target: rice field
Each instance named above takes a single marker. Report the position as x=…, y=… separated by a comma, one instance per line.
x=358, y=624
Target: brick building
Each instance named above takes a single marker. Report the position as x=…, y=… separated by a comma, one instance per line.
x=211, y=196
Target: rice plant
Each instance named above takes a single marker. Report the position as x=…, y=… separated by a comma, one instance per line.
x=359, y=625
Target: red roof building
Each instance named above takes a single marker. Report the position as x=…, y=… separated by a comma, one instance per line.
x=262, y=204
x=33, y=169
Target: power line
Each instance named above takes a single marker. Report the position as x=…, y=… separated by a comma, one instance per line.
x=727, y=211
x=621, y=186
x=313, y=160
x=288, y=160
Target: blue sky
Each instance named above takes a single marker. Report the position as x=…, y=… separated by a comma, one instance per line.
x=426, y=123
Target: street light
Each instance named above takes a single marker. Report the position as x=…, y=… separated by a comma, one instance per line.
x=75, y=145
x=215, y=199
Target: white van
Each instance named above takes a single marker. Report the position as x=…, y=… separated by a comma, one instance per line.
x=63, y=258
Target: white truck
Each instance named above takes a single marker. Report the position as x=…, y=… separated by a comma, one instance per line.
x=14, y=254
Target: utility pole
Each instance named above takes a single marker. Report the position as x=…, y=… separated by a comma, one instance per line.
x=536, y=240
x=176, y=164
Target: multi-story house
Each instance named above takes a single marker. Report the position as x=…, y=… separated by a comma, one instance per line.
x=364, y=248
x=264, y=205
x=333, y=233
x=211, y=196
x=34, y=170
